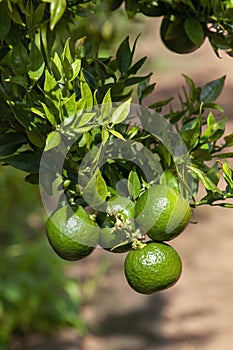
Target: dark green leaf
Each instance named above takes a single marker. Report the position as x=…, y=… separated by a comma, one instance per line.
x=19, y=58
x=32, y=179
x=136, y=66
x=134, y=80
x=228, y=140
x=194, y=30
x=191, y=132
x=10, y=142
x=27, y=161
x=124, y=56
x=212, y=90
x=5, y=21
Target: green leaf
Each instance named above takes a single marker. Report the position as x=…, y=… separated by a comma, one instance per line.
x=213, y=173
x=15, y=15
x=38, y=15
x=19, y=59
x=49, y=115
x=10, y=142
x=117, y=134
x=168, y=178
x=66, y=52
x=86, y=92
x=53, y=140
x=136, y=66
x=211, y=90
x=37, y=64
x=50, y=84
x=57, y=68
x=70, y=107
x=191, y=132
x=134, y=184
x=26, y=161
x=124, y=56
x=121, y=112
x=227, y=174
x=134, y=80
x=5, y=21
x=104, y=136
x=57, y=8
x=32, y=179
x=145, y=88
x=194, y=30
x=96, y=191
x=84, y=119
x=228, y=140
x=106, y=108
x=206, y=181
x=76, y=66
x=215, y=129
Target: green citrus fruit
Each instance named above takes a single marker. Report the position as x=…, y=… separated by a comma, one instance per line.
x=162, y=213
x=117, y=225
x=73, y=236
x=174, y=36
x=154, y=267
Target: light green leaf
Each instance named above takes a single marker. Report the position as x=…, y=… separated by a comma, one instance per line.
x=106, y=108
x=57, y=8
x=134, y=185
x=53, y=140
x=66, y=52
x=96, y=190
x=37, y=64
x=121, y=112
x=227, y=174
x=76, y=66
x=84, y=119
x=208, y=184
x=117, y=134
x=104, y=135
x=49, y=115
x=70, y=107
x=86, y=92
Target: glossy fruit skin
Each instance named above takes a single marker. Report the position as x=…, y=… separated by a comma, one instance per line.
x=73, y=237
x=176, y=39
x=156, y=266
x=162, y=213
x=111, y=235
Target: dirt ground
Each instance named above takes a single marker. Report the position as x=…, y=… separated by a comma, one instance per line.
x=197, y=313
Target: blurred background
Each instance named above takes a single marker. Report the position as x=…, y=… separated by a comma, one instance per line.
x=46, y=303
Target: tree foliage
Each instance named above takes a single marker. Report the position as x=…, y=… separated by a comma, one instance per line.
x=51, y=79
